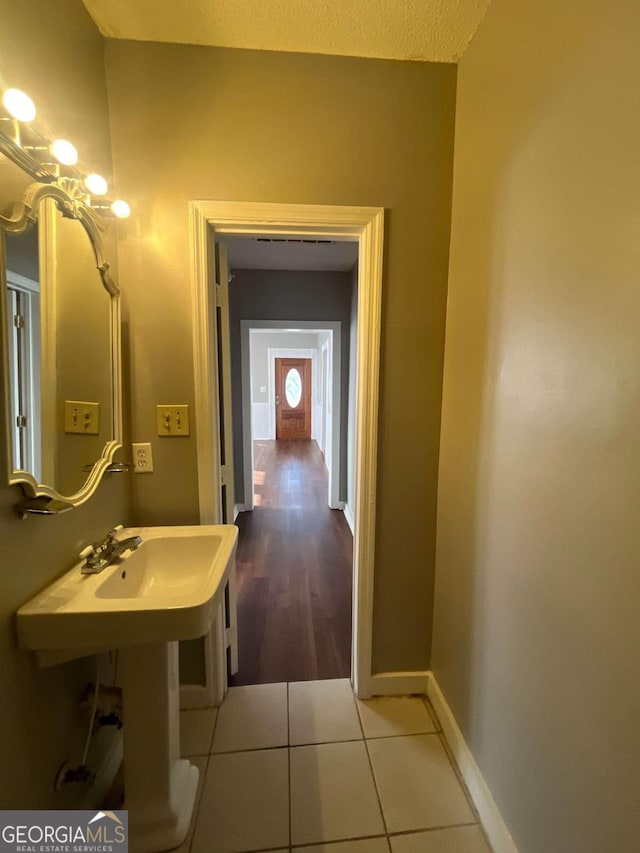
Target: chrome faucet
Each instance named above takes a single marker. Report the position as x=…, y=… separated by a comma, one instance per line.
x=102, y=554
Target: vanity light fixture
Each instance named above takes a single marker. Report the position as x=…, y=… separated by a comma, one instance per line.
x=42, y=158
x=64, y=152
x=19, y=105
x=117, y=208
x=120, y=209
x=96, y=184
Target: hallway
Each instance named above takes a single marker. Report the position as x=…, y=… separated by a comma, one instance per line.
x=294, y=571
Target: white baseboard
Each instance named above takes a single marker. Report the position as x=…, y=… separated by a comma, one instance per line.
x=237, y=508
x=348, y=514
x=397, y=683
x=490, y=817
x=106, y=773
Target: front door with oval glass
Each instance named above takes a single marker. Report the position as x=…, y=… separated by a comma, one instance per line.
x=293, y=398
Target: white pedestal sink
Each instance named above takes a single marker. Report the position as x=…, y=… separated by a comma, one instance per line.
x=160, y=787
x=167, y=590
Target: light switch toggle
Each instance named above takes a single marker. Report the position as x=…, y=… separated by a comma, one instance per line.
x=173, y=420
x=81, y=417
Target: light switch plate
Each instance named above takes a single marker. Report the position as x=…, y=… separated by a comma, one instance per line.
x=173, y=420
x=81, y=417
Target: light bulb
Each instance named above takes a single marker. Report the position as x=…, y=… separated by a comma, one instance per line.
x=64, y=152
x=19, y=105
x=120, y=209
x=96, y=184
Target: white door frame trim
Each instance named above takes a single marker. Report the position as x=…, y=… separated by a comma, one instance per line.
x=366, y=225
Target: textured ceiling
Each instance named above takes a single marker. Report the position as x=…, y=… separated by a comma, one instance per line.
x=420, y=30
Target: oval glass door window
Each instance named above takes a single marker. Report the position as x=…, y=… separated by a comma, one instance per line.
x=293, y=387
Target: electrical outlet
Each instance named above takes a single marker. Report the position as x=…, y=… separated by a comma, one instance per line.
x=81, y=417
x=172, y=420
x=142, y=458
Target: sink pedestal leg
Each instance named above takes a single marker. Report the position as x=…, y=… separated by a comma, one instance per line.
x=160, y=787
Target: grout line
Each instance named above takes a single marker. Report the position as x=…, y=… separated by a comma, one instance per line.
x=357, y=704
x=358, y=714
x=412, y=734
x=248, y=751
x=373, y=775
x=335, y=842
x=438, y=828
x=432, y=713
x=402, y=734
x=292, y=745
x=191, y=832
x=215, y=726
x=252, y=749
x=318, y=743
x=375, y=785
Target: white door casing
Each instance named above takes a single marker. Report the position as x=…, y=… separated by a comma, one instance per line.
x=26, y=381
x=366, y=225
x=223, y=634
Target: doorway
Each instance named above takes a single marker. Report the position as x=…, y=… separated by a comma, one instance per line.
x=295, y=549
x=23, y=317
x=213, y=219
x=293, y=398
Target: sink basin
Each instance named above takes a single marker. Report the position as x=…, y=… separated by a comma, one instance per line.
x=166, y=590
x=162, y=567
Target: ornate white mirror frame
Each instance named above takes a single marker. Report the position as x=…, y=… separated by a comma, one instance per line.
x=65, y=193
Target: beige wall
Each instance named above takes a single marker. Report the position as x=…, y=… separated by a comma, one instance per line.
x=537, y=586
x=196, y=123
x=54, y=52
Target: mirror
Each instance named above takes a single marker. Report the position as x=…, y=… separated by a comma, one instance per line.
x=61, y=327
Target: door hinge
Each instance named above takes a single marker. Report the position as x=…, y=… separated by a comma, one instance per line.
x=21, y=421
x=221, y=296
x=18, y=321
x=231, y=635
x=224, y=475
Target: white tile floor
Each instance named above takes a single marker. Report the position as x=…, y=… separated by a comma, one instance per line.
x=306, y=767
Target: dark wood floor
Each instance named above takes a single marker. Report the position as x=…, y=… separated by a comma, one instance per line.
x=294, y=570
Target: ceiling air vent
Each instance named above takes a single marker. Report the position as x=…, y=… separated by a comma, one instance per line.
x=294, y=240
